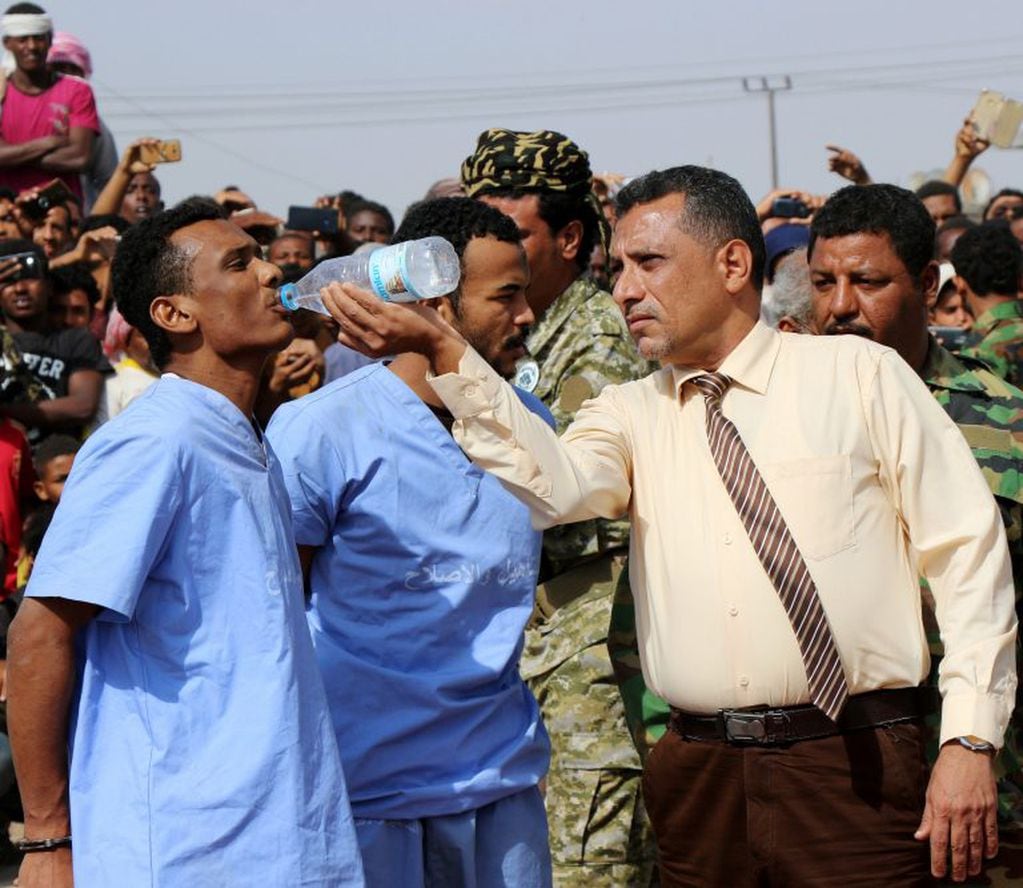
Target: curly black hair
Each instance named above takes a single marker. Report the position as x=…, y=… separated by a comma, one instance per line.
x=74, y=277
x=879, y=209
x=147, y=266
x=935, y=188
x=24, y=9
x=1005, y=192
x=989, y=259
x=50, y=448
x=458, y=220
x=716, y=208
x=369, y=206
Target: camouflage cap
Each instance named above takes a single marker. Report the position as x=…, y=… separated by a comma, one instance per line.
x=540, y=161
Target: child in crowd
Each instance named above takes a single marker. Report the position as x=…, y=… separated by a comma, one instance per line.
x=53, y=460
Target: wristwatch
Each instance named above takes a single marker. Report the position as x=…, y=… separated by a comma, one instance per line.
x=975, y=744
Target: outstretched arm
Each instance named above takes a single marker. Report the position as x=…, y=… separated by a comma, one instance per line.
x=585, y=474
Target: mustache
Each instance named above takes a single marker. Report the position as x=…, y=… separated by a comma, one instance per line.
x=518, y=341
x=646, y=309
x=849, y=329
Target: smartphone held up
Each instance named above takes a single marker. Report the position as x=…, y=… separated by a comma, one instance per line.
x=165, y=151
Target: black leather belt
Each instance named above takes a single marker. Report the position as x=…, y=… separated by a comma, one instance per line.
x=762, y=726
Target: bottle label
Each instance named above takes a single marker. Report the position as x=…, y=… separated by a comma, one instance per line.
x=388, y=273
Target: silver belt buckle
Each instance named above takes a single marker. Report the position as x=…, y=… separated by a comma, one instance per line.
x=744, y=727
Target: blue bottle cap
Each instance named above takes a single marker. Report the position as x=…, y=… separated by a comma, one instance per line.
x=287, y=295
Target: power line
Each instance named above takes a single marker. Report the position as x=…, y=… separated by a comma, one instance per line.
x=482, y=92
x=193, y=134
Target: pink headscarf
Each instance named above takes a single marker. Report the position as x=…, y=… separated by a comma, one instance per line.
x=118, y=331
x=68, y=48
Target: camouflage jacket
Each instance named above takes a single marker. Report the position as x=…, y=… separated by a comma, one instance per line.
x=580, y=345
x=989, y=413
x=997, y=340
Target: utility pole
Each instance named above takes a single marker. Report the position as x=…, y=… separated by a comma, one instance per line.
x=769, y=86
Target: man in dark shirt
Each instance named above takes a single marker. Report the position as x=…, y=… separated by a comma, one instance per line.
x=68, y=364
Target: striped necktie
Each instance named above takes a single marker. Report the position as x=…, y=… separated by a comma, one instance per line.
x=776, y=550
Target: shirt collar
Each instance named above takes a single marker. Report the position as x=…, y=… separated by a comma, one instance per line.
x=749, y=364
x=1001, y=311
x=944, y=370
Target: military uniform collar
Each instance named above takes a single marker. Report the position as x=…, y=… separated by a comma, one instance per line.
x=1003, y=311
x=942, y=369
x=578, y=292
x=749, y=364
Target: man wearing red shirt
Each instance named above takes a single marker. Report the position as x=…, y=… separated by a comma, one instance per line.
x=48, y=121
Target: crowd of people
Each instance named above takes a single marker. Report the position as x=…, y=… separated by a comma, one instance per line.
x=590, y=572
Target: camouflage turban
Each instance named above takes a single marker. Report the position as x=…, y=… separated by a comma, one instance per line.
x=540, y=161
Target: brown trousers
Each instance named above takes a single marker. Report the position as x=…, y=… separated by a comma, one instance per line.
x=840, y=811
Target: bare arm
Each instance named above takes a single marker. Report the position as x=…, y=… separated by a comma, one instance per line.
x=72, y=157
x=112, y=196
x=968, y=145
x=29, y=152
x=40, y=682
x=75, y=408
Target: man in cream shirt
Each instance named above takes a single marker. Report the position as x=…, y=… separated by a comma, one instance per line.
x=755, y=784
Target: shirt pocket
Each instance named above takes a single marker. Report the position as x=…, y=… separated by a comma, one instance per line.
x=815, y=497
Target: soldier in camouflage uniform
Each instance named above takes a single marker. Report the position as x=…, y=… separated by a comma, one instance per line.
x=892, y=309
x=599, y=833
x=988, y=263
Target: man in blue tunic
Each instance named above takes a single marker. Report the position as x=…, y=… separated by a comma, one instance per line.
x=422, y=571
x=201, y=747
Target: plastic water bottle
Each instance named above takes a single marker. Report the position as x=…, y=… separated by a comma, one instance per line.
x=418, y=269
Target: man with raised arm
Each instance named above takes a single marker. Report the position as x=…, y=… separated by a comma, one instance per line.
x=785, y=494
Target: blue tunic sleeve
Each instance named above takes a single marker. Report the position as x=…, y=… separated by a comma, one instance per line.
x=112, y=523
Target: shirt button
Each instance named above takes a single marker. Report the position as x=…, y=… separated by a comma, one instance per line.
x=728, y=539
x=469, y=391
x=733, y=610
x=743, y=681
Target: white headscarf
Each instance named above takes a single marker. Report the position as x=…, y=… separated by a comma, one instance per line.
x=22, y=24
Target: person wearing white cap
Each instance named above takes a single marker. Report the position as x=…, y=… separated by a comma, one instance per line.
x=48, y=122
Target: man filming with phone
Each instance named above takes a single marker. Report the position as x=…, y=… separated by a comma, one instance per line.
x=48, y=122
x=68, y=364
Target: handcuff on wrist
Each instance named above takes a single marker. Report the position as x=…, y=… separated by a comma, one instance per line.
x=27, y=846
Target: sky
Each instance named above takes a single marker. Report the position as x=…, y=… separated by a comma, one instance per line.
x=289, y=100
